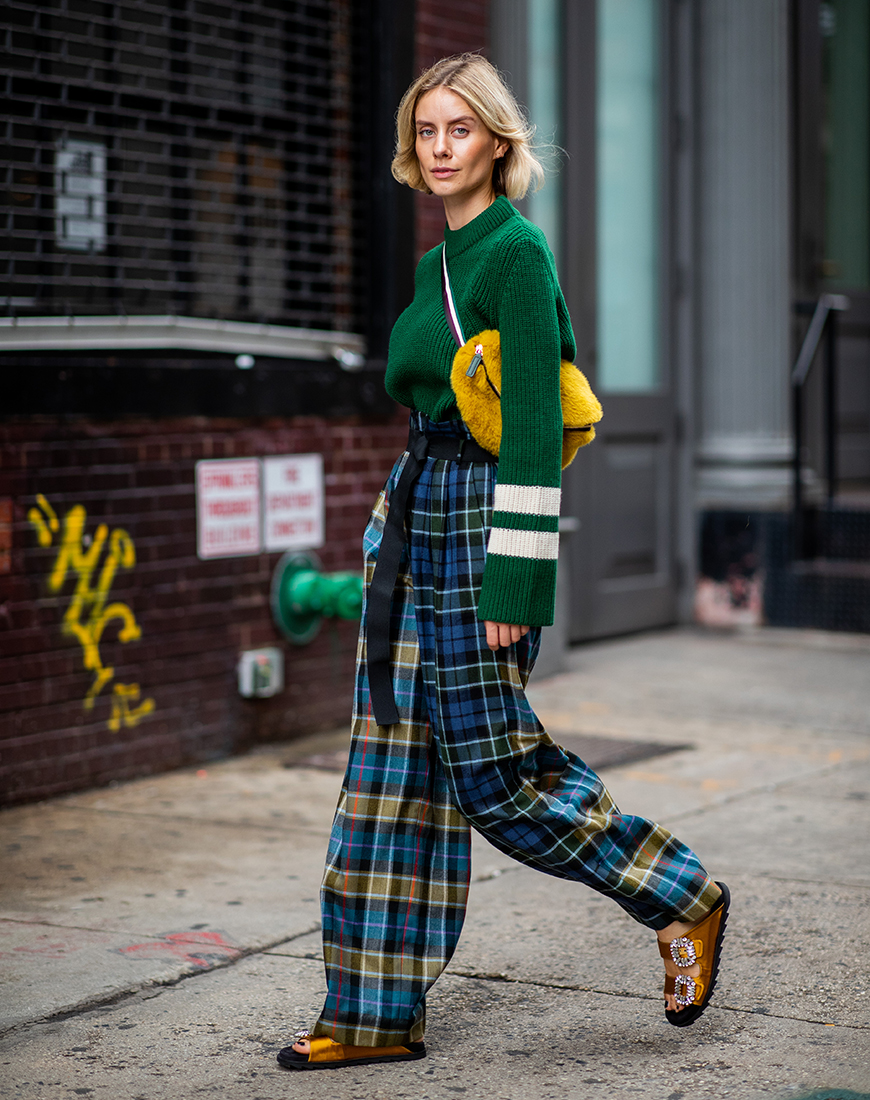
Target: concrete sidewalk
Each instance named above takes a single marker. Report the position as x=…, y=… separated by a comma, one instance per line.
x=159, y=939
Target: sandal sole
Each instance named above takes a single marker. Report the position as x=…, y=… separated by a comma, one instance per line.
x=688, y=1015
x=288, y=1060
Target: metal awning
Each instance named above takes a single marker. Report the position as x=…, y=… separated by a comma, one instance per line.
x=182, y=333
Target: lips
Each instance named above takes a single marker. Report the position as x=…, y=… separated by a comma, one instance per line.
x=443, y=172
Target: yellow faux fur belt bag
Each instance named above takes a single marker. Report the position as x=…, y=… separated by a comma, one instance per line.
x=476, y=382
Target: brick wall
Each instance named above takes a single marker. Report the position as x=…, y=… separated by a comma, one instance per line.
x=195, y=617
x=170, y=695
x=444, y=27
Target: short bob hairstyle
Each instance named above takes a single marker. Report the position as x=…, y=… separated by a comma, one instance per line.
x=479, y=83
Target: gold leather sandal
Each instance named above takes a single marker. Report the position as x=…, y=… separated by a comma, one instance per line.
x=324, y=1053
x=703, y=945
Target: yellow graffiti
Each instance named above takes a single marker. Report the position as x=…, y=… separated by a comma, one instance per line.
x=44, y=527
x=122, y=713
x=88, y=614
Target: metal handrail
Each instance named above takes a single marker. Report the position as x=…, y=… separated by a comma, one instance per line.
x=825, y=304
x=822, y=323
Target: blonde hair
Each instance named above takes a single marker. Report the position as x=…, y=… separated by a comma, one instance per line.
x=481, y=86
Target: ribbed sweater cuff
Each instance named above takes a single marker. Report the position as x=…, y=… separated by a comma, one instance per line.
x=518, y=590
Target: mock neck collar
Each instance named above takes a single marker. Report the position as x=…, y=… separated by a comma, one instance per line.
x=457, y=240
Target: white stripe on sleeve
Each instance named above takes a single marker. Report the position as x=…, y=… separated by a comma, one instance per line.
x=527, y=500
x=538, y=545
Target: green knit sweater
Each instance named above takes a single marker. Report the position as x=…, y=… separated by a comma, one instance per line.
x=503, y=277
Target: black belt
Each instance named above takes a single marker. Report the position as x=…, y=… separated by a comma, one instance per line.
x=380, y=595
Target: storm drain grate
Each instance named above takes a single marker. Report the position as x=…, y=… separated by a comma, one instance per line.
x=597, y=752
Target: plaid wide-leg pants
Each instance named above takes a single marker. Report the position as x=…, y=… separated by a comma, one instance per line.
x=467, y=749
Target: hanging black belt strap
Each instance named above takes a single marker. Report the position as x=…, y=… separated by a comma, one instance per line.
x=380, y=594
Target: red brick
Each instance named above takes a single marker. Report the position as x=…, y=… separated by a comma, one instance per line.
x=195, y=616
x=444, y=27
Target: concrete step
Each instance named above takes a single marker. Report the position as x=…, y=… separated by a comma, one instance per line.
x=824, y=595
x=832, y=567
x=840, y=533
x=828, y=590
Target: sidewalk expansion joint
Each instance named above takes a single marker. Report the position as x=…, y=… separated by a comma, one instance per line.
x=762, y=788
x=284, y=827
x=505, y=979
x=77, y=927
x=723, y=870
x=157, y=986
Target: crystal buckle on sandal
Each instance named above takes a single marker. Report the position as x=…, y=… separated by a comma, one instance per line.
x=683, y=951
x=302, y=1033
x=688, y=986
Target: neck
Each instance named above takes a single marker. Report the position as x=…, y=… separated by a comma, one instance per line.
x=461, y=210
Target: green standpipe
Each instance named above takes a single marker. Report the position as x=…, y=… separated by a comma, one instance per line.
x=302, y=595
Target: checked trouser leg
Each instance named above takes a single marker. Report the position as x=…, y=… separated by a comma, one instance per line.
x=468, y=748
x=398, y=864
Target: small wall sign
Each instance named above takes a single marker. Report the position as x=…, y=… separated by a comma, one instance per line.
x=293, y=502
x=227, y=507
x=248, y=505
x=80, y=196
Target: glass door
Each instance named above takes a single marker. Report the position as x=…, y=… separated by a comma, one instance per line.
x=845, y=33
x=622, y=487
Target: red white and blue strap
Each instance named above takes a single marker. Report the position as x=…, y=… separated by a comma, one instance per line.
x=450, y=311
x=452, y=315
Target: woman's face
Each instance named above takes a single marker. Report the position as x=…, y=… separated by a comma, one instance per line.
x=455, y=150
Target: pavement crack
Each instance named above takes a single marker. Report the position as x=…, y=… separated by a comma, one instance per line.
x=120, y=995
x=80, y=928
x=282, y=827
x=315, y=927
x=761, y=788
x=723, y=870
x=506, y=979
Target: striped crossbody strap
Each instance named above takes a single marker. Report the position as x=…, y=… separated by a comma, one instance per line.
x=450, y=311
x=452, y=315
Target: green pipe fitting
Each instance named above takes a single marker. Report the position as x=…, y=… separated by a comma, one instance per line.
x=302, y=595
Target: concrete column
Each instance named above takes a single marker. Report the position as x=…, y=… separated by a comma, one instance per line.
x=742, y=261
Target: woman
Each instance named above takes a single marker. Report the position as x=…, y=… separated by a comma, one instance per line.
x=460, y=563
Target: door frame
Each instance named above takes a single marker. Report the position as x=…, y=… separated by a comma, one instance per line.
x=584, y=496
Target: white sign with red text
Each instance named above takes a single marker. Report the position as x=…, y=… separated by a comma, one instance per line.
x=227, y=507
x=293, y=502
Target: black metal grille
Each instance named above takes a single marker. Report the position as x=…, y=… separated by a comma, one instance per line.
x=190, y=158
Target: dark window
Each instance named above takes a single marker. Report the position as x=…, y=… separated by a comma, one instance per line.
x=191, y=158
x=845, y=26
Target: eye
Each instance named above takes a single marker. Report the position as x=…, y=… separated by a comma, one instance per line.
x=425, y=132
x=461, y=131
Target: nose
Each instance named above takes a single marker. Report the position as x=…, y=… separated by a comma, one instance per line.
x=442, y=144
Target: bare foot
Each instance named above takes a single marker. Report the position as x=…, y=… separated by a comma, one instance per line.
x=302, y=1046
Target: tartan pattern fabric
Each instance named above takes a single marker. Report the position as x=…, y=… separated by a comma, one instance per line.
x=468, y=749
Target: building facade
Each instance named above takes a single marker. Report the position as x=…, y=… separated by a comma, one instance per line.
x=713, y=189
x=207, y=252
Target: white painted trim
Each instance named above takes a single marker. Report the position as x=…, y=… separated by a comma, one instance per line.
x=538, y=545
x=184, y=333
x=527, y=500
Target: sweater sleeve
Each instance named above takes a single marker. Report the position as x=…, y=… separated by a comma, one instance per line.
x=519, y=581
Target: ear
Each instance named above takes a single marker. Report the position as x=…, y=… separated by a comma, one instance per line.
x=501, y=149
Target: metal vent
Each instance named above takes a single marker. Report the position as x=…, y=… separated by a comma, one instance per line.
x=189, y=158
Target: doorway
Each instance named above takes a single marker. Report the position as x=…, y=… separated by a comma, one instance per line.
x=616, y=278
